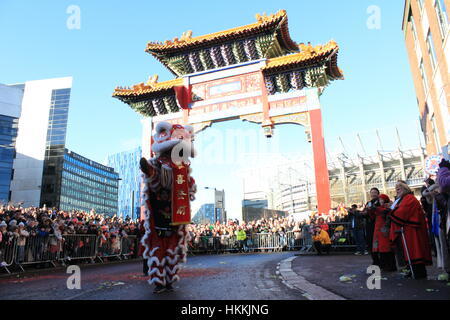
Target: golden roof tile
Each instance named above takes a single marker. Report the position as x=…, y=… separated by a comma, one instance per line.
x=307, y=52
x=187, y=40
x=152, y=86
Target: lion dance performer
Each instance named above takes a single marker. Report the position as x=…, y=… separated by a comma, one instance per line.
x=168, y=190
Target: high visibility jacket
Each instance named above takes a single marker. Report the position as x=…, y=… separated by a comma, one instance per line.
x=241, y=235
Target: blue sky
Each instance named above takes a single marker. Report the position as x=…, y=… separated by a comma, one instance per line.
x=108, y=50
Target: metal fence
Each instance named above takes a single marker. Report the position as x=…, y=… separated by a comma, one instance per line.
x=129, y=246
x=340, y=235
x=78, y=246
x=51, y=249
x=268, y=241
x=38, y=249
x=7, y=253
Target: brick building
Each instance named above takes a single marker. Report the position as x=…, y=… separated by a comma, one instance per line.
x=426, y=31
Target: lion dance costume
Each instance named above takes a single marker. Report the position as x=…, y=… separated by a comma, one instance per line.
x=168, y=190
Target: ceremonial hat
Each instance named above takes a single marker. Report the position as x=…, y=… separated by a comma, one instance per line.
x=385, y=198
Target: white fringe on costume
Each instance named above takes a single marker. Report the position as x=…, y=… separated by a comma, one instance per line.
x=153, y=183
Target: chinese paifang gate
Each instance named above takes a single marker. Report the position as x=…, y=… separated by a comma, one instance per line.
x=255, y=73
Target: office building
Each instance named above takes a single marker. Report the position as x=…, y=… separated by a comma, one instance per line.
x=34, y=158
x=253, y=213
x=256, y=203
x=126, y=164
x=204, y=215
x=10, y=104
x=426, y=33
x=41, y=137
x=85, y=185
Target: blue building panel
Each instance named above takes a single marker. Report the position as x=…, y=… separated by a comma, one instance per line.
x=126, y=164
x=8, y=135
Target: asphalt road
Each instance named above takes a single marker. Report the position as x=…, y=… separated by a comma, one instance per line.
x=209, y=277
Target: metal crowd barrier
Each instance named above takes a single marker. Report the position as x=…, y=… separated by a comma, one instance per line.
x=267, y=241
x=111, y=248
x=295, y=240
x=341, y=235
x=226, y=243
x=38, y=249
x=50, y=249
x=230, y=244
x=7, y=253
x=129, y=246
x=211, y=244
x=80, y=247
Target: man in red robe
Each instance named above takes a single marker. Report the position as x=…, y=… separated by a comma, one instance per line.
x=381, y=246
x=407, y=215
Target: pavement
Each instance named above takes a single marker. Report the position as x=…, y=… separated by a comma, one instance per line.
x=322, y=275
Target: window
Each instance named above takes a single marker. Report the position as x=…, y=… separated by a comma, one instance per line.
x=413, y=29
x=431, y=51
x=441, y=12
x=424, y=78
x=435, y=133
x=420, y=3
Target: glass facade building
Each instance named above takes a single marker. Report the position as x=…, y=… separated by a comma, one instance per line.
x=126, y=164
x=36, y=169
x=87, y=185
x=204, y=215
x=54, y=148
x=8, y=135
x=71, y=181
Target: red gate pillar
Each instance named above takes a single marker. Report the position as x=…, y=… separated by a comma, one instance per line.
x=320, y=162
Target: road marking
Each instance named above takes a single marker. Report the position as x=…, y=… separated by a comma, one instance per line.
x=310, y=290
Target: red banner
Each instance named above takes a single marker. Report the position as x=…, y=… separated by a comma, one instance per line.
x=181, y=210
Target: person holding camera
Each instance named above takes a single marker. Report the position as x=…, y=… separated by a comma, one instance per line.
x=322, y=241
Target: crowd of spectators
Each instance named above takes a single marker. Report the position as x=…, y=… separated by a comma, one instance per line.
x=39, y=223
x=280, y=226
x=42, y=222
x=21, y=223
x=276, y=224
x=367, y=224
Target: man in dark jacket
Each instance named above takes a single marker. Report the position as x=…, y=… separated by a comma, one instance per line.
x=357, y=226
